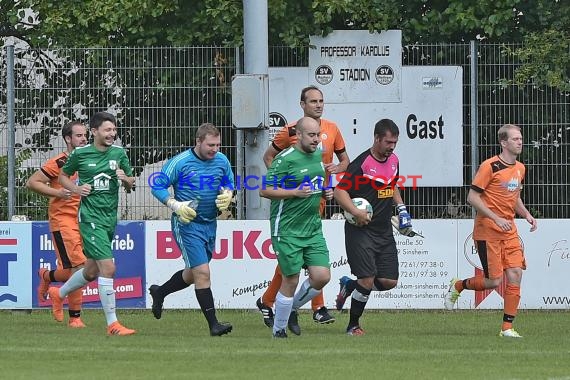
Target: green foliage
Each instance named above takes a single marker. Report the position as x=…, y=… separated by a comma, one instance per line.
x=98, y=22
x=132, y=22
x=422, y=20
x=545, y=60
x=397, y=345
x=220, y=23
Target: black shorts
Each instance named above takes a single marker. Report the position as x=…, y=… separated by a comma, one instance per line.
x=371, y=253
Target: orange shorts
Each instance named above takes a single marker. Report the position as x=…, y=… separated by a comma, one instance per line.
x=498, y=255
x=68, y=247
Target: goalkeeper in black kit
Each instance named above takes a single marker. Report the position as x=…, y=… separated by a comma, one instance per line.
x=369, y=243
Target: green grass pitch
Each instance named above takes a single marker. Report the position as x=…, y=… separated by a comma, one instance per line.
x=397, y=345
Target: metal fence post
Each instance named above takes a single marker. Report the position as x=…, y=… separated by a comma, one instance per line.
x=240, y=154
x=10, y=100
x=474, y=114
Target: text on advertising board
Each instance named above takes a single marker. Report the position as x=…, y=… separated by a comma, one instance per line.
x=241, y=244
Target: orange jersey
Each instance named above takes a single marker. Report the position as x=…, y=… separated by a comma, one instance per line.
x=499, y=185
x=62, y=212
x=331, y=139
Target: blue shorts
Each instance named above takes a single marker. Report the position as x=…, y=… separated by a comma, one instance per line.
x=195, y=240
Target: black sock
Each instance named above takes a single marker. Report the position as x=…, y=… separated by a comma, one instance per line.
x=74, y=313
x=206, y=301
x=175, y=284
x=357, y=305
x=508, y=318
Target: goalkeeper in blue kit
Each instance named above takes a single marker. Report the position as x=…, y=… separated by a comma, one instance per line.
x=370, y=246
x=200, y=178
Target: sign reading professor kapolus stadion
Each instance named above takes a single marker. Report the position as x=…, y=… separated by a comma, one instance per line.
x=355, y=66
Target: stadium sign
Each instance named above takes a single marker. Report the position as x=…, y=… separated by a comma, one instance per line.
x=355, y=66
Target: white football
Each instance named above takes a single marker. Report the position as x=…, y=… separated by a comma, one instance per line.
x=361, y=204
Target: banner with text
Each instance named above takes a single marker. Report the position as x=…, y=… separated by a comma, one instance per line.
x=15, y=263
x=128, y=252
x=244, y=263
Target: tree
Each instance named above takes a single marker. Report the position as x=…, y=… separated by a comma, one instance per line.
x=214, y=22
x=545, y=60
x=538, y=23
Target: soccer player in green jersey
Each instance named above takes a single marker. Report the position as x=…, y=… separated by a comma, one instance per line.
x=101, y=168
x=294, y=184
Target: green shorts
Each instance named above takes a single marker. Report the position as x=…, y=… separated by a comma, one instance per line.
x=97, y=240
x=293, y=253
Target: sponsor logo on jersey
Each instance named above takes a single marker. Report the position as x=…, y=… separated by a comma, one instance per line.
x=512, y=184
x=385, y=193
x=101, y=182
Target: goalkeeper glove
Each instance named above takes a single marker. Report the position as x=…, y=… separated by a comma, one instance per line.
x=405, y=231
x=223, y=199
x=185, y=213
x=404, y=218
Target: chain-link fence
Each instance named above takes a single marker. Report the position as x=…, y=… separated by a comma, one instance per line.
x=542, y=113
x=161, y=95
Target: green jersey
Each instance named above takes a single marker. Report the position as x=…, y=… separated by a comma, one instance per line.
x=296, y=217
x=98, y=169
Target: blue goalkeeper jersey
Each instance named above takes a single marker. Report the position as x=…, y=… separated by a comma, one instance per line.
x=193, y=178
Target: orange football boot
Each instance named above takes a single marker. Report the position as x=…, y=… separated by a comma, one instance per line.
x=44, y=284
x=116, y=328
x=56, y=303
x=76, y=323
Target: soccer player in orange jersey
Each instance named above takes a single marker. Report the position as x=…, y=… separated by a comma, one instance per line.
x=332, y=141
x=495, y=195
x=63, y=225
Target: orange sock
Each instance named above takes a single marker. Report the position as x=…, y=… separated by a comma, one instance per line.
x=75, y=299
x=318, y=301
x=268, y=298
x=512, y=299
x=473, y=283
